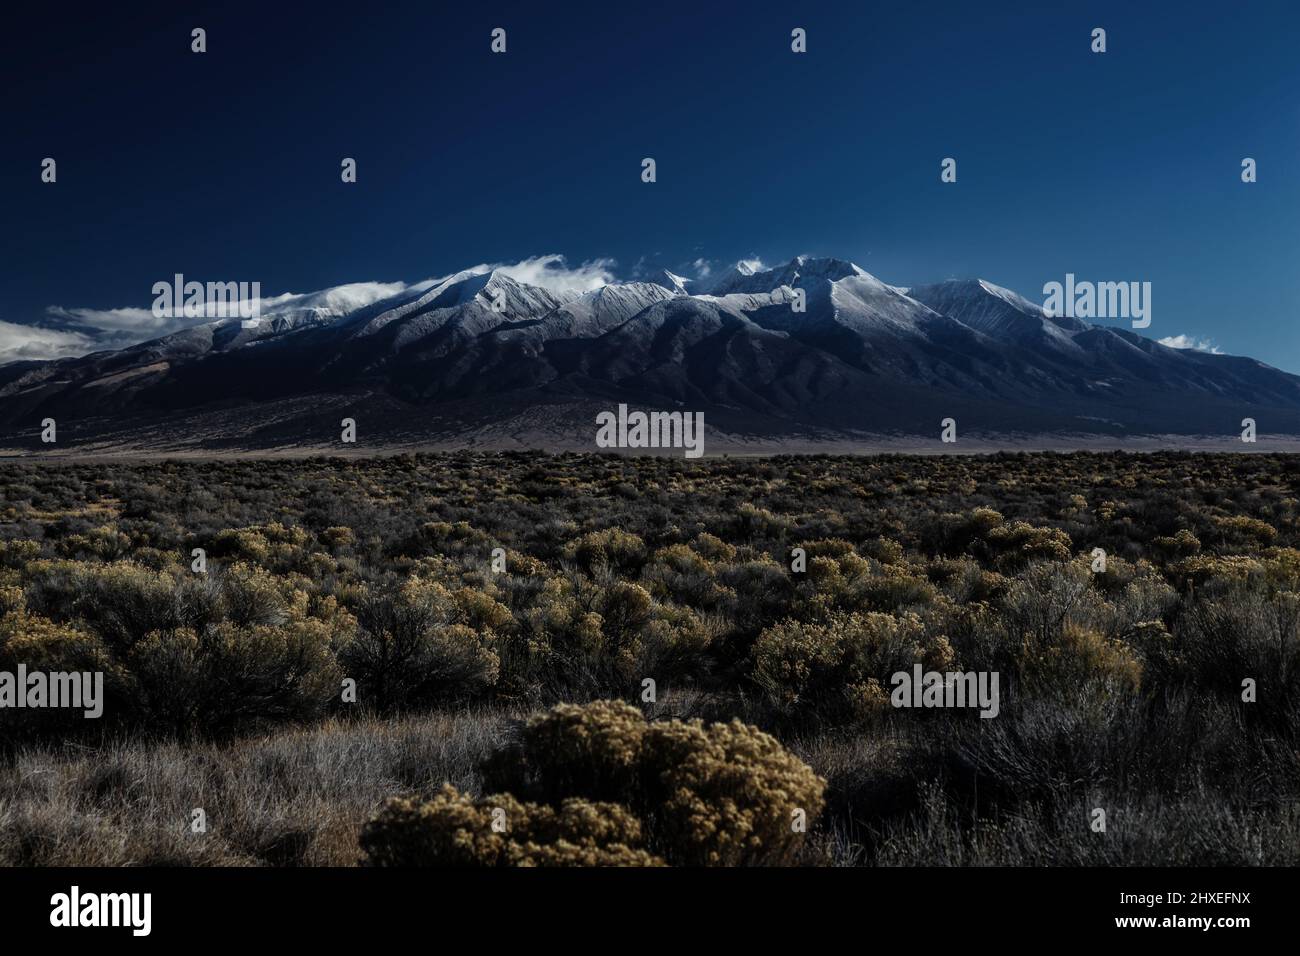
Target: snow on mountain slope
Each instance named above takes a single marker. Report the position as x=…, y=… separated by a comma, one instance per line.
x=473, y=292
x=801, y=269
x=1000, y=313
x=595, y=313
x=475, y=351
x=861, y=353
x=673, y=283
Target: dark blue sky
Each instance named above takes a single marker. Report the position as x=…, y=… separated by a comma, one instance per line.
x=225, y=166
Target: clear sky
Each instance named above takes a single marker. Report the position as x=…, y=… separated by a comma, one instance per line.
x=225, y=166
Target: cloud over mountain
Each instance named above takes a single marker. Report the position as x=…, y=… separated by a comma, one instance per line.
x=1190, y=342
x=80, y=330
x=553, y=273
x=31, y=343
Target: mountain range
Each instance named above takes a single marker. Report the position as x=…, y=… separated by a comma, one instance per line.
x=481, y=358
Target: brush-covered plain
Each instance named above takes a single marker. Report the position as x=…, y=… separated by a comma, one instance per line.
x=499, y=616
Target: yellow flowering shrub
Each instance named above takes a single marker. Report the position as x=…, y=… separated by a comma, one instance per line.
x=716, y=795
x=453, y=829
x=227, y=674
x=1180, y=545
x=46, y=646
x=105, y=543
x=681, y=573
x=612, y=548
x=1245, y=531
x=825, y=669
x=16, y=553
x=1079, y=654
x=584, y=637
x=1019, y=542
x=422, y=644
x=729, y=794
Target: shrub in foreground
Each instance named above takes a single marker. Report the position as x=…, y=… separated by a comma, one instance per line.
x=721, y=795
x=453, y=829
x=607, y=788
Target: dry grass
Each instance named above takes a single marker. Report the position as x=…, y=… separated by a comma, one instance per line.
x=299, y=797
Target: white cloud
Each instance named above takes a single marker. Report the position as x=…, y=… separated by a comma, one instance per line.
x=82, y=330
x=702, y=268
x=753, y=265
x=339, y=300
x=121, y=320
x=553, y=273
x=29, y=343
x=1190, y=342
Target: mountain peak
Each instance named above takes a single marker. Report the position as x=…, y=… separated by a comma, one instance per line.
x=492, y=334
x=972, y=290
x=997, y=311
x=823, y=267
x=672, y=282
x=744, y=277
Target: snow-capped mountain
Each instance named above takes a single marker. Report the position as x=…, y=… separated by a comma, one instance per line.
x=813, y=346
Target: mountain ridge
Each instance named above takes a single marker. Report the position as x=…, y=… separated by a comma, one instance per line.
x=862, y=357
